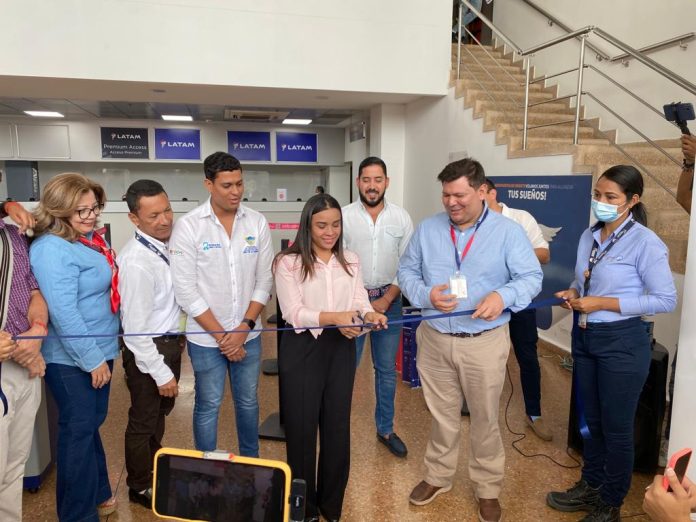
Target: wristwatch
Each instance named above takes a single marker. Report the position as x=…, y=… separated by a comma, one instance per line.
x=249, y=322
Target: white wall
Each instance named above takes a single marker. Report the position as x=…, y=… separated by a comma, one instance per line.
x=637, y=24
x=356, y=151
x=306, y=44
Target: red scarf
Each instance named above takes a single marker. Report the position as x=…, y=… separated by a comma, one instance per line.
x=98, y=244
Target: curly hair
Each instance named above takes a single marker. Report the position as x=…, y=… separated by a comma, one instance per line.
x=59, y=202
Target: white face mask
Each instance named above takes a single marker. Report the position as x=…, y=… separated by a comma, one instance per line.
x=607, y=212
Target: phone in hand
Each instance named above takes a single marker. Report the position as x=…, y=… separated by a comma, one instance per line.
x=679, y=462
x=680, y=113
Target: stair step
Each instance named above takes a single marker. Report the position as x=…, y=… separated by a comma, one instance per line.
x=558, y=107
x=544, y=142
x=671, y=223
x=489, y=72
x=612, y=156
x=475, y=93
x=535, y=118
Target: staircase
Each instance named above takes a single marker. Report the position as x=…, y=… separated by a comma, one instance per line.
x=501, y=105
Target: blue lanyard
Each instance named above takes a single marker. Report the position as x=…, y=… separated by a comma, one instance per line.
x=152, y=247
x=468, y=244
x=594, y=258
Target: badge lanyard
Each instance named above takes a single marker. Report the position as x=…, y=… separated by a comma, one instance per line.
x=151, y=247
x=468, y=244
x=594, y=258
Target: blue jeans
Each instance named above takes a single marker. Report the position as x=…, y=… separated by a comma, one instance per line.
x=385, y=345
x=210, y=368
x=611, y=361
x=524, y=337
x=82, y=480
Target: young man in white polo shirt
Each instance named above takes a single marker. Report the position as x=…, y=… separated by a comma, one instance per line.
x=152, y=364
x=378, y=232
x=523, y=328
x=221, y=257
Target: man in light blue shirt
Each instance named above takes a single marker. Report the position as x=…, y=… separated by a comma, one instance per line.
x=466, y=258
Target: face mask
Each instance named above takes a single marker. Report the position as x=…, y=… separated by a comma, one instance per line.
x=606, y=212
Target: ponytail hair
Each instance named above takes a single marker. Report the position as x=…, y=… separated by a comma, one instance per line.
x=631, y=182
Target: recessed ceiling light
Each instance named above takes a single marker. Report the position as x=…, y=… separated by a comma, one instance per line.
x=176, y=117
x=296, y=121
x=44, y=114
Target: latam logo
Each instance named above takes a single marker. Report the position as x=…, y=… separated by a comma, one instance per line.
x=117, y=136
x=177, y=144
x=248, y=146
x=284, y=147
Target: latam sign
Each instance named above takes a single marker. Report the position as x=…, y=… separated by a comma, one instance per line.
x=126, y=143
x=182, y=144
x=296, y=146
x=249, y=145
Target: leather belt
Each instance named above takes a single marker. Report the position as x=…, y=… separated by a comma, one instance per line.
x=376, y=293
x=467, y=335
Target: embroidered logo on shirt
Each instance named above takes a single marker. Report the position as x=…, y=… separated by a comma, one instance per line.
x=176, y=252
x=251, y=247
x=209, y=246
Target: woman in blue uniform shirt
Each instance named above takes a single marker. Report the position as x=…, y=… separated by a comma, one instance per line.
x=622, y=273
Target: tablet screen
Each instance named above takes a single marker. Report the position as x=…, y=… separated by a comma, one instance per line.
x=218, y=490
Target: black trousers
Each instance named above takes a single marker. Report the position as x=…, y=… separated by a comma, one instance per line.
x=524, y=337
x=147, y=412
x=316, y=391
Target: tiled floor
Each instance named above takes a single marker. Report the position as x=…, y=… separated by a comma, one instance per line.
x=379, y=483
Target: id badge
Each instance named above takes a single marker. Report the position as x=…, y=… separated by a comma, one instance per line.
x=582, y=320
x=458, y=285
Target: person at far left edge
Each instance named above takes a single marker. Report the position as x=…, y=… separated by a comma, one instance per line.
x=221, y=256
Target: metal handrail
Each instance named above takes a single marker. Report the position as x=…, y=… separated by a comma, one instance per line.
x=486, y=21
x=670, y=42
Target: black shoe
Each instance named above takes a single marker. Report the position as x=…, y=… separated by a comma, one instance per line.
x=144, y=499
x=580, y=497
x=394, y=443
x=604, y=513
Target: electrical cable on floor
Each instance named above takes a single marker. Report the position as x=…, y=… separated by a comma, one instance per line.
x=522, y=436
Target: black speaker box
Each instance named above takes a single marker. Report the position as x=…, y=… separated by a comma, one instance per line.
x=649, y=415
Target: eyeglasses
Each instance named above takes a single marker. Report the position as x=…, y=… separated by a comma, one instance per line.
x=85, y=213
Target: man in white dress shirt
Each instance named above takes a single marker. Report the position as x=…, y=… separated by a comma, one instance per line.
x=152, y=364
x=378, y=231
x=523, y=328
x=221, y=257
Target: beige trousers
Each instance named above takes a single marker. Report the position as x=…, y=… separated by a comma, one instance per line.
x=451, y=368
x=16, y=433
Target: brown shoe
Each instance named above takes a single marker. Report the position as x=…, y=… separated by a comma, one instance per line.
x=539, y=428
x=424, y=493
x=489, y=510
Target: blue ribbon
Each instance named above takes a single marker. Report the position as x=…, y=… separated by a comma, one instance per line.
x=539, y=304
x=579, y=403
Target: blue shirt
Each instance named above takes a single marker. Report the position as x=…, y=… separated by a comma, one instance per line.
x=76, y=283
x=501, y=259
x=635, y=270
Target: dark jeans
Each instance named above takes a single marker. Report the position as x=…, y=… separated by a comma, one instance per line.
x=611, y=361
x=316, y=389
x=82, y=480
x=147, y=412
x=524, y=337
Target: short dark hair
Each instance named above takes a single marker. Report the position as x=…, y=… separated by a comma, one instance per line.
x=139, y=189
x=489, y=183
x=468, y=168
x=372, y=160
x=219, y=162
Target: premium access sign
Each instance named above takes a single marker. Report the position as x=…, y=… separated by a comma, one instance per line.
x=249, y=145
x=178, y=144
x=124, y=143
x=300, y=147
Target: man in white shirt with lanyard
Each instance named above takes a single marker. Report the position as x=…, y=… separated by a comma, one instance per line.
x=378, y=231
x=523, y=327
x=221, y=257
x=152, y=364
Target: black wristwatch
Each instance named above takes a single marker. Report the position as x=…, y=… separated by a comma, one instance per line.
x=249, y=322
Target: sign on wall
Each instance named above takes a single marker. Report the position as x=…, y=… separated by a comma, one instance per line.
x=296, y=146
x=249, y=145
x=178, y=144
x=124, y=143
x=544, y=197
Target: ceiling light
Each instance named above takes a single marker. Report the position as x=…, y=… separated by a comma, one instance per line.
x=44, y=114
x=296, y=121
x=176, y=117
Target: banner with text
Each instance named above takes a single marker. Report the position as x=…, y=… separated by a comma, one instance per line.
x=296, y=146
x=181, y=144
x=561, y=206
x=124, y=143
x=249, y=145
